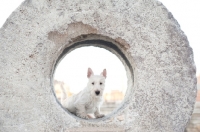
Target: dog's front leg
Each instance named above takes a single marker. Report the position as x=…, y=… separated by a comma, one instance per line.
x=81, y=112
x=97, y=113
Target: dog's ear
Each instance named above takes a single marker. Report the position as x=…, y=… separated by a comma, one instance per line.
x=89, y=73
x=104, y=73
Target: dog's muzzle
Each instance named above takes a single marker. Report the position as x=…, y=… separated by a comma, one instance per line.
x=97, y=92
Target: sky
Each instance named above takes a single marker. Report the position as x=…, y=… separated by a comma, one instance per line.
x=186, y=12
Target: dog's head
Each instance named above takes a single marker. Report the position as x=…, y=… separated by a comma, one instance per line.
x=96, y=83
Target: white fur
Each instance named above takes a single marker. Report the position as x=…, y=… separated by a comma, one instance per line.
x=87, y=101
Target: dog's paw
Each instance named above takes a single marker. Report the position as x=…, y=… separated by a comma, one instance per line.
x=99, y=115
x=83, y=116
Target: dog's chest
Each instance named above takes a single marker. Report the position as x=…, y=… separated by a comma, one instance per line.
x=92, y=106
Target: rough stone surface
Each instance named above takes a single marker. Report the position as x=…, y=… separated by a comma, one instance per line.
x=194, y=124
x=162, y=97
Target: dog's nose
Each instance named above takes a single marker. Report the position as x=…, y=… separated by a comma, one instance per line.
x=97, y=92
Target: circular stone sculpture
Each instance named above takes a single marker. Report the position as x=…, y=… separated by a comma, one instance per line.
x=143, y=34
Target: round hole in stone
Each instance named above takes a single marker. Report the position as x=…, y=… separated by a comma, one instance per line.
x=70, y=72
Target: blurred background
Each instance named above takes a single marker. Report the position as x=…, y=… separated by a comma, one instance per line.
x=186, y=12
x=71, y=74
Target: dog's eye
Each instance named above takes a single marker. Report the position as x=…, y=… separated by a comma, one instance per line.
x=100, y=83
x=92, y=83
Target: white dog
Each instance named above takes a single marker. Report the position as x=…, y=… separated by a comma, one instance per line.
x=89, y=99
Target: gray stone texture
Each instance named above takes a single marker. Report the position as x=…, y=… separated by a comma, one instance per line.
x=164, y=90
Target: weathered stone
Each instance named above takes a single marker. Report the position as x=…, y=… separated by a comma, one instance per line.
x=39, y=32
